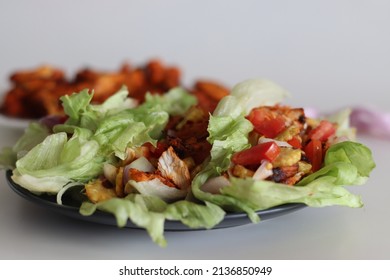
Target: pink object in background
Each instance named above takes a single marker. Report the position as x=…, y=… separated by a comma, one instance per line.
x=371, y=121
x=367, y=120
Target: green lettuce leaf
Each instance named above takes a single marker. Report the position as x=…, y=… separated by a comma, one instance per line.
x=82, y=113
x=349, y=163
x=34, y=134
x=129, y=129
x=175, y=102
x=117, y=124
x=150, y=212
x=133, y=208
x=75, y=158
x=58, y=159
x=75, y=105
x=195, y=215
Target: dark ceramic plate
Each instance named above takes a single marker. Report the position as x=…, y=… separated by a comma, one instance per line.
x=70, y=208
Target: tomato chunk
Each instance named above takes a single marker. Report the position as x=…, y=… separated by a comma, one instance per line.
x=313, y=151
x=296, y=142
x=254, y=155
x=266, y=123
x=323, y=131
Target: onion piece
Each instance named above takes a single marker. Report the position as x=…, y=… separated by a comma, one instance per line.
x=141, y=164
x=371, y=121
x=279, y=143
x=109, y=172
x=311, y=112
x=51, y=120
x=64, y=189
x=264, y=171
x=155, y=187
x=339, y=139
x=214, y=185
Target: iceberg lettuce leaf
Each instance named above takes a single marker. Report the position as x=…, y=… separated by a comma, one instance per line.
x=135, y=209
x=34, y=134
x=150, y=212
x=175, y=102
x=57, y=158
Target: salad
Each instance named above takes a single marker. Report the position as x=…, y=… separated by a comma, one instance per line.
x=168, y=158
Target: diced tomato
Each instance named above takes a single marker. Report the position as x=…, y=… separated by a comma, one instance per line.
x=323, y=131
x=313, y=151
x=265, y=151
x=266, y=123
x=296, y=142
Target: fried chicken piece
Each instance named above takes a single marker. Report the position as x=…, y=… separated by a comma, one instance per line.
x=209, y=94
x=287, y=174
x=35, y=93
x=141, y=176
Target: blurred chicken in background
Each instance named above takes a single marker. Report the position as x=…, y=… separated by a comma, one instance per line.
x=35, y=93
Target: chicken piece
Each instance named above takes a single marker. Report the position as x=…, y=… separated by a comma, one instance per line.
x=293, y=179
x=211, y=89
x=173, y=168
x=42, y=73
x=141, y=176
x=35, y=93
x=170, y=182
x=281, y=174
x=209, y=94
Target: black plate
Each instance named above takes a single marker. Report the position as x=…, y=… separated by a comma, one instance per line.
x=69, y=209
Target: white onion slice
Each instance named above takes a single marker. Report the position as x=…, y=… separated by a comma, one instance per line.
x=279, y=143
x=109, y=172
x=141, y=164
x=155, y=187
x=64, y=189
x=263, y=171
x=214, y=185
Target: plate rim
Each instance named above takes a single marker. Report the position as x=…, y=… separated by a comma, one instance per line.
x=231, y=219
x=15, y=123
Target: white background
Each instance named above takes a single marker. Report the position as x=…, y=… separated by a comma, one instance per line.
x=328, y=54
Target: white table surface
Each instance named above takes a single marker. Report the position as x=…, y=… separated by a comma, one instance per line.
x=329, y=54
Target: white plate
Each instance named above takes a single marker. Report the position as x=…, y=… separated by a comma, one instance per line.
x=8, y=122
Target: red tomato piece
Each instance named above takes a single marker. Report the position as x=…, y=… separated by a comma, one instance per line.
x=296, y=142
x=313, y=151
x=266, y=123
x=323, y=131
x=254, y=155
